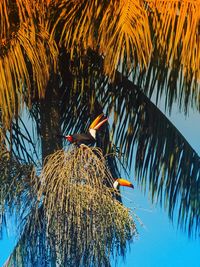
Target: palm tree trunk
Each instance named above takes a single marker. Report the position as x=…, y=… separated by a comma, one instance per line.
x=50, y=118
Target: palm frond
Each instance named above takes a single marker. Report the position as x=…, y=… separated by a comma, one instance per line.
x=119, y=30
x=32, y=242
x=13, y=14
x=22, y=143
x=166, y=165
x=170, y=84
x=27, y=60
x=124, y=36
x=15, y=186
x=4, y=19
x=78, y=18
x=176, y=26
x=167, y=71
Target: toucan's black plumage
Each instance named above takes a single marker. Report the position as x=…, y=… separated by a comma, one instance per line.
x=83, y=138
x=88, y=138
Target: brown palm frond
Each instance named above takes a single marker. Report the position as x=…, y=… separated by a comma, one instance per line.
x=22, y=10
x=167, y=70
x=42, y=53
x=176, y=26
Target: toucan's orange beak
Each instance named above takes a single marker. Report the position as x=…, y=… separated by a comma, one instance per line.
x=123, y=182
x=97, y=123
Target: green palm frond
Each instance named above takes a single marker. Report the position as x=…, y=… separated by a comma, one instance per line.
x=31, y=248
x=168, y=84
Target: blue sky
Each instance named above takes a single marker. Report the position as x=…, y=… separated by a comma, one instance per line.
x=7, y=244
x=159, y=243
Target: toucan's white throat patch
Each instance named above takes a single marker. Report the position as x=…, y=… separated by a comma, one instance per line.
x=93, y=133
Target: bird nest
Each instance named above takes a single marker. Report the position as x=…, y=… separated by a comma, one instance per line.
x=85, y=224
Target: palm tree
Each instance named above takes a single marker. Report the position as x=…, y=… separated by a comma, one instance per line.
x=64, y=62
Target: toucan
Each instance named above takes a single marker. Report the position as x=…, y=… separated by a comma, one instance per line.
x=122, y=182
x=88, y=138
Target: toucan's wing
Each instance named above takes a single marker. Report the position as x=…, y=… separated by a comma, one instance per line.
x=83, y=138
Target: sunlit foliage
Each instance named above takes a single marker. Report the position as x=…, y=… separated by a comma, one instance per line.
x=129, y=34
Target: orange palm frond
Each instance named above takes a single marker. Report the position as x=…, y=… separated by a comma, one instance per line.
x=124, y=35
x=37, y=48
x=26, y=53
x=34, y=11
x=119, y=29
x=4, y=21
x=176, y=25
x=12, y=75
x=26, y=9
x=78, y=18
x=13, y=14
